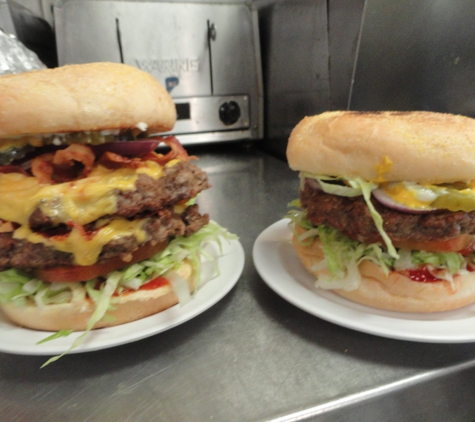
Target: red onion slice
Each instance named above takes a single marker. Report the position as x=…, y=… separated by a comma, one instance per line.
x=382, y=198
x=126, y=147
x=313, y=184
x=387, y=201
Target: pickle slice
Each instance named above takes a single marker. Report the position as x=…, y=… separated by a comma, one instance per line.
x=12, y=154
x=455, y=200
x=12, y=149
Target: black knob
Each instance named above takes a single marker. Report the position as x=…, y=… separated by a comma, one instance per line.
x=229, y=112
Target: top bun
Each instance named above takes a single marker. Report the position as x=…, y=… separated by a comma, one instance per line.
x=95, y=96
x=422, y=147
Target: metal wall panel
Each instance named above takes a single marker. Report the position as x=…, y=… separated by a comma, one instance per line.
x=344, y=23
x=416, y=55
x=295, y=66
x=6, y=22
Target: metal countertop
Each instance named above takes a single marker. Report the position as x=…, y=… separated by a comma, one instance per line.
x=252, y=356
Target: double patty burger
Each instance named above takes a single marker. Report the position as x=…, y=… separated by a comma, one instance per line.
x=96, y=228
x=387, y=202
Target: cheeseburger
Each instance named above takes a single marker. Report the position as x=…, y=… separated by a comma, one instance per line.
x=387, y=207
x=96, y=228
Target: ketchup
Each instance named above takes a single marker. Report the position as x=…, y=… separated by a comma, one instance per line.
x=422, y=275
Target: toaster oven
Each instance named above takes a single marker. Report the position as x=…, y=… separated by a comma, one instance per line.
x=207, y=55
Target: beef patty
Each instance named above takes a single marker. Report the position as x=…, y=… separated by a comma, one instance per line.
x=180, y=182
x=159, y=228
x=352, y=217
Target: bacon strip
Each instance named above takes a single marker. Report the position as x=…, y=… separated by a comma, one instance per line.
x=112, y=160
x=75, y=153
x=177, y=151
x=61, y=166
x=42, y=168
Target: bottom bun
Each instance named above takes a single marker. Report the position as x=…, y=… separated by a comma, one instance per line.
x=128, y=307
x=395, y=292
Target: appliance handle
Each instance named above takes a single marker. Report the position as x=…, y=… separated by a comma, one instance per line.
x=211, y=37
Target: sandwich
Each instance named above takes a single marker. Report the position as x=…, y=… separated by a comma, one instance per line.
x=97, y=228
x=386, y=208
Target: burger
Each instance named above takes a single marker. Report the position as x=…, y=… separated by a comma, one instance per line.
x=386, y=208
x=97, y=228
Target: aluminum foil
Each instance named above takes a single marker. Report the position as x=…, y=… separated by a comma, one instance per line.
x=15, y=57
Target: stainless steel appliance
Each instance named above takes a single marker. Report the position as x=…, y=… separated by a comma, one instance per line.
x=206, y=54
x=6, y=22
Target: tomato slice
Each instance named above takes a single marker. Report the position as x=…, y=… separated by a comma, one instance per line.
x=155, y=283
x=149, y=285
x=460, y=243
x=75, y=273
x=469, y=249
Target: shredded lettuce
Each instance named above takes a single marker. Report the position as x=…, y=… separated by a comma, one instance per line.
x=58, y=334
x=366, y=188
x=343, y=255
x=332, y=188
x=452, y=261
x=21, y=289
x=102, y=304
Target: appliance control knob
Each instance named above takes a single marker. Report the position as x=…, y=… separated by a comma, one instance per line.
x=229, y=112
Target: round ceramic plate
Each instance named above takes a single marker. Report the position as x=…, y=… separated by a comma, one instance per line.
x=278, y=265
x=212, y=289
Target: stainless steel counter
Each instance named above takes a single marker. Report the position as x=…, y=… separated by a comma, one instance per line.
x=252, y=356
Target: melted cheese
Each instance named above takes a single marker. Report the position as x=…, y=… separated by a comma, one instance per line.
x=86, y=249
x=410, y=198
x=81, y=201
x=455, y=197
x=383, y=168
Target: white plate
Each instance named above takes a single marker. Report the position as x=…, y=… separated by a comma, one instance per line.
x=276, y=262
x=22, y=341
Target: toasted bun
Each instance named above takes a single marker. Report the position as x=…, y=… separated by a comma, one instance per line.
x=423, y=147
x=95, y=96
x=396, y=292
x=75, y=316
